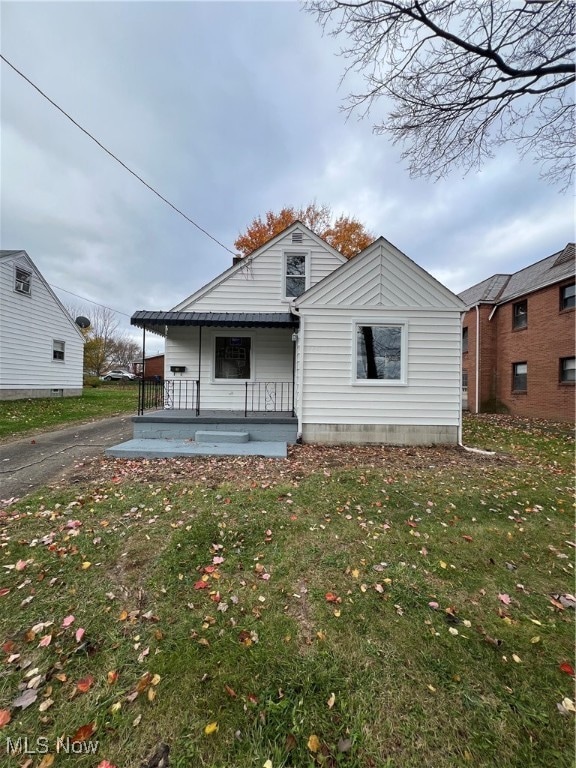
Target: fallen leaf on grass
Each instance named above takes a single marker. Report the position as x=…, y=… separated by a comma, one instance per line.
x=84, y=685
x=504, y=598
x=79, y=634
x=5, y=717
x=26, y=699
x=46, y=761
x=68, y=620
x=211, y=728
x=105, y=764
x=567, y=668
x=313, y=743
x=84, y=732
x=566, y=706
x=332, y=598
x=331, y=701
x=46, y=704
x=45, y=641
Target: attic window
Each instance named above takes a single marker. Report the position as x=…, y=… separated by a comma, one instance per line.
x=297, y=237
x=23, y=281
x=295, y=274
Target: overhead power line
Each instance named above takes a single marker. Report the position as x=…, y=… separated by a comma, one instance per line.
x=112, y=155
x=117, y=311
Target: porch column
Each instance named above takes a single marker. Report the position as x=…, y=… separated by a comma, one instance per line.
x=199, y=369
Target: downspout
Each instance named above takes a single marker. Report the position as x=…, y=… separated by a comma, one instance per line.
x=300, y=370
x=477, y=404
x=142, y=380
x=460, y=443
x=199, y=369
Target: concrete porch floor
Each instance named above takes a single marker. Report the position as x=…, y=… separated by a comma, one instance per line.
x=166, y=448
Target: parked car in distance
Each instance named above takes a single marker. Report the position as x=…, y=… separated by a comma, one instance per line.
x=118, y=376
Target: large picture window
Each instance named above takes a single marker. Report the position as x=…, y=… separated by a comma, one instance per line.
x=232, y=357
x=379, y=353
x=295, y=277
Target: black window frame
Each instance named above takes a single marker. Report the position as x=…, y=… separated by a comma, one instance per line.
x=563, y=369
x=567, y=301
x=520, y=315
x=519, y=380
x=220, y=355
x=465, y=337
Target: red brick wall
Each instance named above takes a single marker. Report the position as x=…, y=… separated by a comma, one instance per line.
x=154, y=366
x=487, y=368
x=549, y=336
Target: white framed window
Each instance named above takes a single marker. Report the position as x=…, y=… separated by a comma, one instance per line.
x=568, y=370
x=22, y=281
x=232, y=358
x=296, y=273
x=380, y=353
x=58, y=348
x=520, y=377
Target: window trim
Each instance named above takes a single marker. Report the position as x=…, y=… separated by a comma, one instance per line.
x=54, y=351
x=28, y=274
x=299, y=252
x=516, y=326
x=381, y=322
x=562, y=298
x=515, y=375
x=242, y=335
x=566, y=382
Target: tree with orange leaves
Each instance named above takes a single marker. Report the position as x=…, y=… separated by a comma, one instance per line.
x=346, y=234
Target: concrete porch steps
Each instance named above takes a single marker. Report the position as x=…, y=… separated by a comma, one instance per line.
x=166, y=448
x=203, y=436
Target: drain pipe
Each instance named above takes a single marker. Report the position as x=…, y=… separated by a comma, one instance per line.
x=477, y=390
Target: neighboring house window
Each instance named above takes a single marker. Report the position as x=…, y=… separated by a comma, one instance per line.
x=568, y=370
x=57, y=350
x=295, y=277
x=520, y=314
x=465, y=380
x=520, y=377
x=464, y=339
x=232, y=357
x=379, y=352
x=568, y=296
x=23, y=281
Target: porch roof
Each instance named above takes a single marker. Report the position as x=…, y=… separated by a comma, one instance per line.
x=154, y=321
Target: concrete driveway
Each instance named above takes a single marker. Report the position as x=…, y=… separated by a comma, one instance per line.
x=29, y=463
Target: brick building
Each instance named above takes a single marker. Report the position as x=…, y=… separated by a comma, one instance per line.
x=518, y=340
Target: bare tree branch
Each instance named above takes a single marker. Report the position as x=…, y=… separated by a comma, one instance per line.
x=464, y=77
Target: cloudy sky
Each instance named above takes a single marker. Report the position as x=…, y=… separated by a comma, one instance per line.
x=228, y=109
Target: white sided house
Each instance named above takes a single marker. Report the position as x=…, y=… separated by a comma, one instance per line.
x=358, y=351
x=41, y=348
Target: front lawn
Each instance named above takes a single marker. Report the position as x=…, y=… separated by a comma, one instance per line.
x=359, y=607
x=22, y=417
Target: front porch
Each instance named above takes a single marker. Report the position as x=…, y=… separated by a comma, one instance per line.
x=170, y=434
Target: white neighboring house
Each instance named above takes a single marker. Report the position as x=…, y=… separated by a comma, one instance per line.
x=362, y=351
x=41, y=347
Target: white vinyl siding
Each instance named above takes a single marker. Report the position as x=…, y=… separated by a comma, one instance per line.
x=431, y=395
x=29, y=326
x=272, y=360
x=258, y=283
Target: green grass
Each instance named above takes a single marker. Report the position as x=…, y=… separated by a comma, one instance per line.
x=21, y=417
x=472, y=682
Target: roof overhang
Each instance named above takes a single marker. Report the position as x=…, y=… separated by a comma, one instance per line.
x=158, y=321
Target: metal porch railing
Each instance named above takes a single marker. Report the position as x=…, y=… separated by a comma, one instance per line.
x=184, y=394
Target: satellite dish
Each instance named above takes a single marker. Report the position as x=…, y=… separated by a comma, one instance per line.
x=82, y=322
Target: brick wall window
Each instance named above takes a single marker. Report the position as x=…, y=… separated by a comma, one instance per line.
x=519, y=377
x=568, y=370
x=568, y=296
x=464, y=339
x=520, y=315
